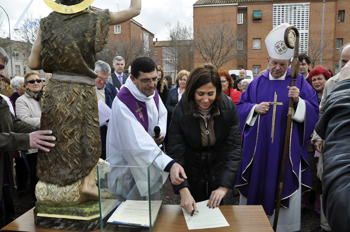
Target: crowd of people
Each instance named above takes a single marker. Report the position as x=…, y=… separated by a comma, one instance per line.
x=217, y=131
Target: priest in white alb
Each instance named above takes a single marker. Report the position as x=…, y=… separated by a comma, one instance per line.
x=263, y=110
x=136, y=111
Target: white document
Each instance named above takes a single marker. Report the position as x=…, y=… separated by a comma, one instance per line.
x=135, y=213
x=206, y=218
x=104, y=112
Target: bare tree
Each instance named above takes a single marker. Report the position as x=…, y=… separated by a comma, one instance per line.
x=217, y=43
x=27, y=31
x=179, y=52
x=315, y=49
x=129, y=50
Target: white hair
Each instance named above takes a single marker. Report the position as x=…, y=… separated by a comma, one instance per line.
x=17, y=82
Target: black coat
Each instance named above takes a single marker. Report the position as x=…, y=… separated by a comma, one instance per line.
x=207, y=168
x=334, y=128
x=110, y=93
x=172, y=100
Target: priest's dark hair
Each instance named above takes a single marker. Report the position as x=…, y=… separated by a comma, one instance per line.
x=69, y=2
x=200, y=76
x=144, y=64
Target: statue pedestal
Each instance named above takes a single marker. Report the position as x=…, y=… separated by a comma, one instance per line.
x=84, y=216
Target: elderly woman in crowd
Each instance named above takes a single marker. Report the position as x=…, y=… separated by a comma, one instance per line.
x=18, y=85
x=7, y=91
x=239, y=84
x=245, y=83
x=176, y=93
x=161, y=85
x=227, y=86
x=318, y=78
x=28, y=109
x=204, y=138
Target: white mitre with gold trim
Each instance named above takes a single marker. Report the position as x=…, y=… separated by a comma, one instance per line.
x=275, y=44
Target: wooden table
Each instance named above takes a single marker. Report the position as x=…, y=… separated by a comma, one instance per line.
x=247, y=218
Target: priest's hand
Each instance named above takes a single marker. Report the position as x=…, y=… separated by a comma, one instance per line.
x=318, y=145
x=294, y=93
x=216, y=197
x=160, y=139
x=262, y=108
x=187, y=201
x=176, y=172
x=39, y=139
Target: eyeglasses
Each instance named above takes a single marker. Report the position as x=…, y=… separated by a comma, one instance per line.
x=146, y=80
x=244, y=85
x=2, y=67
x=104, y=79
x=33, y=81
x=223, y=81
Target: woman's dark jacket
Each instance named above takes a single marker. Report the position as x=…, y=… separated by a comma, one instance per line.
x=334, y=128
x=172, y=100
x=207, y=168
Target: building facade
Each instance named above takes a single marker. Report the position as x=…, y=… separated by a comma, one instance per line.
x=256, y=18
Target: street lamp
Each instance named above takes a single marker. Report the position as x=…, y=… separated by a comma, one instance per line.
x=10, y=41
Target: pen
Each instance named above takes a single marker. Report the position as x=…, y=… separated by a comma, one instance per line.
x=192, y=213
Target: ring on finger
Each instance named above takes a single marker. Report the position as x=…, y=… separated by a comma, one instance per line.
x=267, y=110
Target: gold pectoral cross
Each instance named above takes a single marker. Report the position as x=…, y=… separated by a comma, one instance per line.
x=274, y=103
x=139, y=111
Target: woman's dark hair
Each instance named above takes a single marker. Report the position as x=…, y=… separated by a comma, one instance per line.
x=200, y=76
x=225, y=74
x=69, y=2
x=170, y=81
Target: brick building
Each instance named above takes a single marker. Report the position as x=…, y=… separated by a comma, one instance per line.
x=258, y=17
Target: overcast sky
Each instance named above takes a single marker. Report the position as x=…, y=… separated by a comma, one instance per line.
x=154, y=14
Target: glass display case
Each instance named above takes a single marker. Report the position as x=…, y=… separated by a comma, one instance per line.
x=130, y=185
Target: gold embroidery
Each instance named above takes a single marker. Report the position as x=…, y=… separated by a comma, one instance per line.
x=139, y=111
x=275, y=103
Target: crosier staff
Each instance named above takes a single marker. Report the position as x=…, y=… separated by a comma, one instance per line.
x=291, y=39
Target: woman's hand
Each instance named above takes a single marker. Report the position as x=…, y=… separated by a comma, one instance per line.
x=216, y=197
x=187, y=201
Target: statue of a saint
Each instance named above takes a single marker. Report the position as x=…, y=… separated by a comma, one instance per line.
x=67, y=42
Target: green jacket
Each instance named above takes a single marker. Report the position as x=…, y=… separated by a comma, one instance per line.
x=12, y=138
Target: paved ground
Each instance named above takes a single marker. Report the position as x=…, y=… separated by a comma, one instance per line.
x=309, y=219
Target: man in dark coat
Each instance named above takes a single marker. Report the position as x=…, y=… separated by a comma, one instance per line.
x=106, y=92
x=334, y=128
x=13, y=136
x=118, y=78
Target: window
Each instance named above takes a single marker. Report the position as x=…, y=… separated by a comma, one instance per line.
x=117, y=29
x=339, y=43
x=341, y=15
x=17, y=70
x=296, y=14
x=156, y=53
x=257, y=43
x=24, y=70
x=240, y=18
x=257, y=16
x=16, y=55
x=240, y=45
x=256, y=69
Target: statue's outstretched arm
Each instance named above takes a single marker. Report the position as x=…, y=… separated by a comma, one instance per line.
x=124, y=15
x=34, y=60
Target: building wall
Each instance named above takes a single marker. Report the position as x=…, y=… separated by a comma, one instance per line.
x=332, y=28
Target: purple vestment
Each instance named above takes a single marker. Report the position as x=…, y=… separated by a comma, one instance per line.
x=138, y=108
x=258, y=177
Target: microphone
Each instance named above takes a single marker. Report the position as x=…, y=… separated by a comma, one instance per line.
x=156, y=132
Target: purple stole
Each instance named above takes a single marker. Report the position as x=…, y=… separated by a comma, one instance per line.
x=138, y=108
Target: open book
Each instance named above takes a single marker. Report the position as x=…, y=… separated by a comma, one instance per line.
x=136, y=213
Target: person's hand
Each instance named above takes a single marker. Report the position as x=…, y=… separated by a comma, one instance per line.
x=345, y=72
x=187, y=201
x=175, y=172
x=294, y=93
x=39, y=139
x=160, y=139
x=216, y=197
x=262, y=108
x=318, y=145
